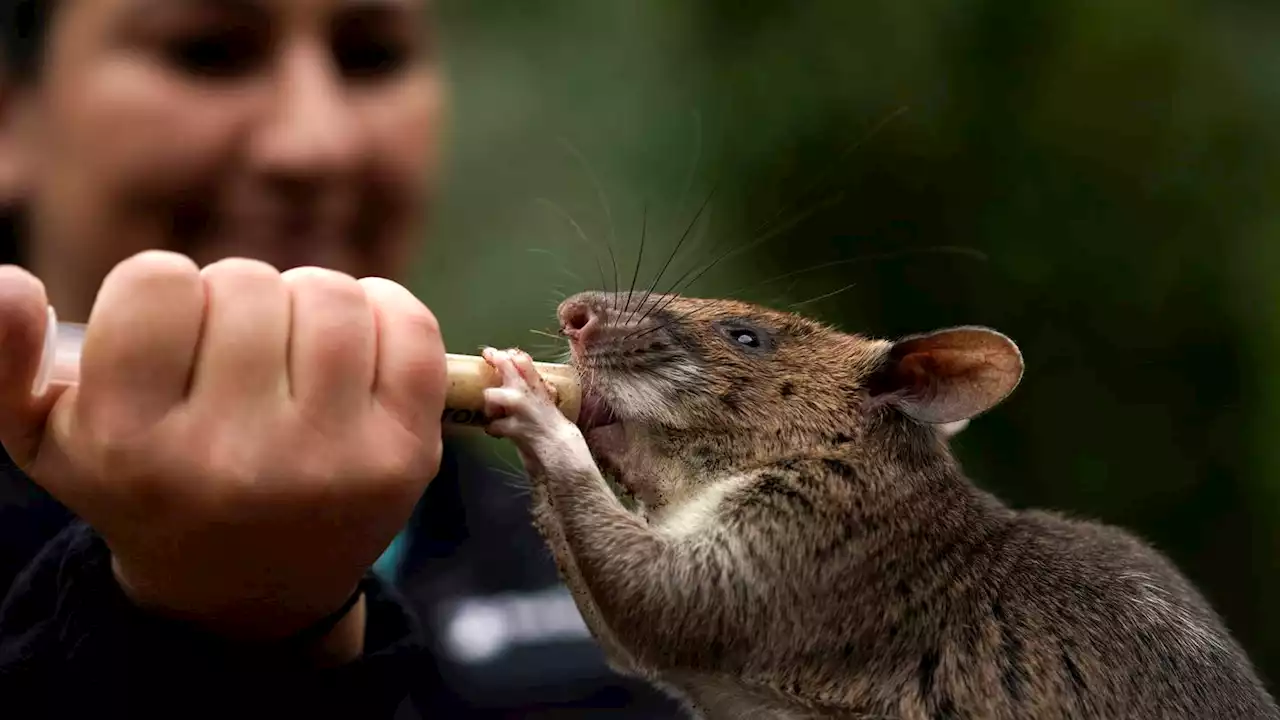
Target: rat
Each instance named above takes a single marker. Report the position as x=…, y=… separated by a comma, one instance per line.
x=804, y=544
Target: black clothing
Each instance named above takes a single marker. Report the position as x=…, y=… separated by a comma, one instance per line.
x=498, y=635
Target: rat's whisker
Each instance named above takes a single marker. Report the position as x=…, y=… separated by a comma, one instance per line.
x=683, y=237
x=581, y=234
x=517, y=481
x=639, y=333
x=544, y=333
x=644, y=227
x=604, y=201
x=824, y=296
x=851, y=147
x=559, y=266
x=763, y=232
x=932, y=250
x=756, y=242
x=697, y=158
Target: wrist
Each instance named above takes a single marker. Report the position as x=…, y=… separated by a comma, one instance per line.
x=325, y=632
x=344, y=642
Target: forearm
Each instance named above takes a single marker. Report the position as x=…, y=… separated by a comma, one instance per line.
x=663, y=599
x=549, y=525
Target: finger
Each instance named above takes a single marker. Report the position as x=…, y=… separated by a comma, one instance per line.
x=244, y=346
x=524, y=365
x=500, y=360
x=503, y=428
x=23, y=317
x=142, y=337
x=333, y=348
x=499, y=401
x=412, y=376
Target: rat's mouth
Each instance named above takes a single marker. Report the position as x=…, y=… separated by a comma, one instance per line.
x=606, y=438
x=595, y=413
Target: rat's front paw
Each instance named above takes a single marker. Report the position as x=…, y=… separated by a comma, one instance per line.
x=524, y=411
x=524, y=408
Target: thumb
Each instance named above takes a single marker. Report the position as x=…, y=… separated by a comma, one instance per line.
x=23, y=316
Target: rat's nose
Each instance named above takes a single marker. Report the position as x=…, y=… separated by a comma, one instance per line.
x=581, y=316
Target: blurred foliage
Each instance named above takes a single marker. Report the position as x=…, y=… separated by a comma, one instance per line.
x=1110, y=170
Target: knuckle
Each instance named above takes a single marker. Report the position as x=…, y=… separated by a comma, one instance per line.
x=228, y=275
x=154, y=271
x=158, y=263
x=410, y=459
x=16, y=283
x=395, y=301
x=126, y=456
x=324, y=281
x=239, y=267
x=402, y=462
x=382, y=287
x=422, y=322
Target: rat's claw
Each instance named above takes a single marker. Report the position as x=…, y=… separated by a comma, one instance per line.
x=540, y=387
x=523, y=405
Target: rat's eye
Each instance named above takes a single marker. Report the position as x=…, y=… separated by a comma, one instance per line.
x=747, y=337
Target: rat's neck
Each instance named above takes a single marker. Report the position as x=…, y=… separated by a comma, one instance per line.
x=732, y=450
x=671, y=463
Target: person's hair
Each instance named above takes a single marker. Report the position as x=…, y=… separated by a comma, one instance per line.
x=24, y=27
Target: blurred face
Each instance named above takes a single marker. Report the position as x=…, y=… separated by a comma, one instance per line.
x=299, y=132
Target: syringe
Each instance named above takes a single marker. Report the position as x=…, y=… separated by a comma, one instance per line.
x=468, y=376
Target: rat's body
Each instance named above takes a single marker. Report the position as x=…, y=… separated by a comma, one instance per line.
x=809, y=548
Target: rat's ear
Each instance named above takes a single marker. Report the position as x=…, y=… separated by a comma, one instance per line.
x=949, y=375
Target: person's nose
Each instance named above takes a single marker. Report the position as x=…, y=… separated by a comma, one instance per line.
x=311, y=129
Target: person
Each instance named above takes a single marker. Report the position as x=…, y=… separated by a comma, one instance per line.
x=180, y=171
x=180, y=535
x=154, y=149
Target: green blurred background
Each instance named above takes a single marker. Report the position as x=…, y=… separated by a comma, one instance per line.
x=1109, y=169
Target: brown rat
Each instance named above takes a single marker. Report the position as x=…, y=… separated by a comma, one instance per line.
x=807, y=546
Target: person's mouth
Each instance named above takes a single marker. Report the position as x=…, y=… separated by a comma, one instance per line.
x=312, y=229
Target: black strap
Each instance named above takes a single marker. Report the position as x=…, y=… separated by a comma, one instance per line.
x=317, y=630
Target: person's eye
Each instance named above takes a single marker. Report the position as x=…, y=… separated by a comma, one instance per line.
x=373, y=42
x=368, y=57
x=217, y=54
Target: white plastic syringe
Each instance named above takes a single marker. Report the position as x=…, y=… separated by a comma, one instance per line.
x=468, y=375
x=60, y=361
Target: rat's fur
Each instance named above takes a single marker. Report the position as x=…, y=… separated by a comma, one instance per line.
x=808, y=548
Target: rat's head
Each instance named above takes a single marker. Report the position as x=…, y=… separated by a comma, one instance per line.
x=715, y=382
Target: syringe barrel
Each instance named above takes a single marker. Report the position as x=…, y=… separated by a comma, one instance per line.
x=468, y=376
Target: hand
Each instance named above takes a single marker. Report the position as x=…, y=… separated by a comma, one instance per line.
x=247, y=442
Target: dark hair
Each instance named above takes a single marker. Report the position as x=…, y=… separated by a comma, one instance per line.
x=24, y=28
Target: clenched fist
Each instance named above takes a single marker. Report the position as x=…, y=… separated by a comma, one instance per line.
x=246, y=441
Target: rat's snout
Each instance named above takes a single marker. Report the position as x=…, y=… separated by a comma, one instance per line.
x=600, y=324
x=582, y=316
x=579, y=320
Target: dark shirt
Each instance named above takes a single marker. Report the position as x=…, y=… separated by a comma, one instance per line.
x=475, y=625
x=73, y=646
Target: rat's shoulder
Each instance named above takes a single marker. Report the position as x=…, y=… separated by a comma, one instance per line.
x=1091, y=546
